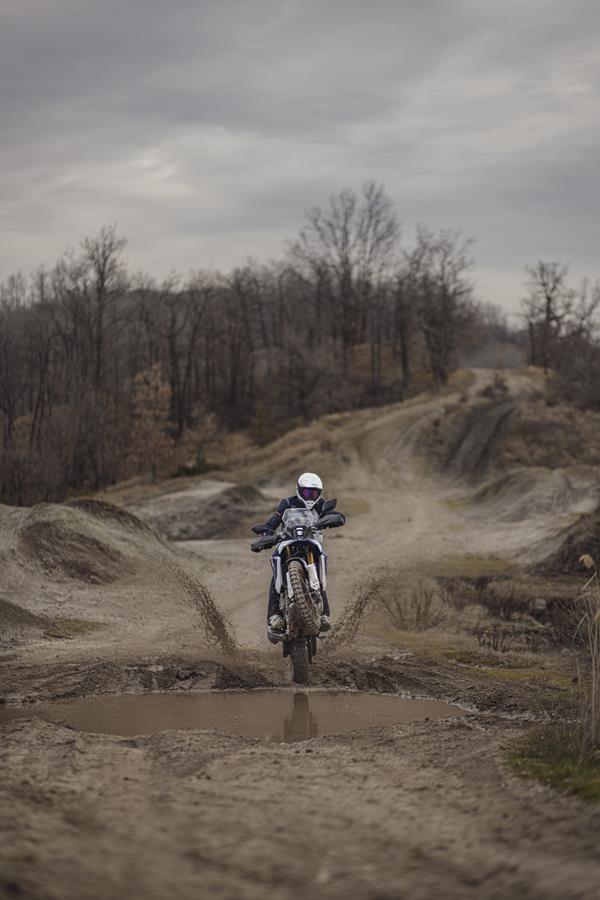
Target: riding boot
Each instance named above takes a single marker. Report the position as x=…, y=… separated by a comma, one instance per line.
x=273, y=607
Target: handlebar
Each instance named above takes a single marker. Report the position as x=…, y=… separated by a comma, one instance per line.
x=268, y=539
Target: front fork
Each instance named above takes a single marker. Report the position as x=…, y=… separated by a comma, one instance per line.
x=316, y=573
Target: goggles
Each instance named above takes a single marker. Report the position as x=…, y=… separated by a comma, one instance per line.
x=309, y=493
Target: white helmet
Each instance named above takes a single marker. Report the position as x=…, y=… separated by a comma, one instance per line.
x=309, y=489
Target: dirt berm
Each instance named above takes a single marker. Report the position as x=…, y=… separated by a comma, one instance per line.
x=89, y=569
x=199, y=515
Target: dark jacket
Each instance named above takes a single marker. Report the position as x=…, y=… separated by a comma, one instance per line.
x=293, y=502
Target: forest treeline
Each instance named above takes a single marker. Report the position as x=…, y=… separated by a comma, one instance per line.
x=105, y=374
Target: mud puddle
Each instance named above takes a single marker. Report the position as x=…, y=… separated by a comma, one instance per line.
x=270, y=715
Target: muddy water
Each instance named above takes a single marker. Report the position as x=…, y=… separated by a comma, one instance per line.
x=270, y=715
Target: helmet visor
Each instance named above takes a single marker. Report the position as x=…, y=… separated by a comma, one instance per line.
x=309, y=493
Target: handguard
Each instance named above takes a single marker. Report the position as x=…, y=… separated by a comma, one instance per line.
x=261, y=529
x=265, y=542
x=332, y=520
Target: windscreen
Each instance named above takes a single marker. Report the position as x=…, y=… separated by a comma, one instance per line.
x=293, y=517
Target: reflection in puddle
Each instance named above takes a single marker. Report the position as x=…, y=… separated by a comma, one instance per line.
x=301, y=724
x=276, y=715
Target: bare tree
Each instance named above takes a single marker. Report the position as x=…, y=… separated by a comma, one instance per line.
x=558, y=316
x=105, y=282
x=545, y=308
x=408, y=292
x=438, y=270
x=348, y=249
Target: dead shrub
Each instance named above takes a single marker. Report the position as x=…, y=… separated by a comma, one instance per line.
x=503, y=601
x=459, y=593
x=492, y=638
x=523, y=637
x=416, y=606
x=410, y=604
x=564, y=616
x=589, y=661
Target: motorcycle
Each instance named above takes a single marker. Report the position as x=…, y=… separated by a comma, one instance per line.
x=299, y=566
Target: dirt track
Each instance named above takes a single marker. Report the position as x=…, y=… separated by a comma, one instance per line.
x=412, y=811
x=417, y=810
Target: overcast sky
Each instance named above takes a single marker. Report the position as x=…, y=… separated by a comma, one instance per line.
x=204, y=128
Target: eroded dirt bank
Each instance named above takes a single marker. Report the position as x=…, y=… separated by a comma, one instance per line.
x=95, y=603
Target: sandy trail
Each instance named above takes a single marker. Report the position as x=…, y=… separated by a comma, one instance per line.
x=415, y=810
x=404, y=517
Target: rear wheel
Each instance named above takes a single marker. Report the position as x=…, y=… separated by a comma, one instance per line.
x=300, y=664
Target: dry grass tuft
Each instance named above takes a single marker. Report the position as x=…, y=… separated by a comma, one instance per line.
x=564, y=756
x=407, y=603
x=589, y=626
x=553, y=754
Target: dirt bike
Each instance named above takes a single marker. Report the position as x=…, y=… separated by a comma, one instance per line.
x=300, y=571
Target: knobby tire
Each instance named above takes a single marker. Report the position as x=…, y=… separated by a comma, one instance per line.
x=300, y=664
x=308, y=616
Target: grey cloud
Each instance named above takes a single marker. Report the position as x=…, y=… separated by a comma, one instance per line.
x=207, y=128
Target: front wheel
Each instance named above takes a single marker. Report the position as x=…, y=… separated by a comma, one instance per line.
x=300, y=663
x=306, y=614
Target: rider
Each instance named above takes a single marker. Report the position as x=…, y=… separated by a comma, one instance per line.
x=308, y=496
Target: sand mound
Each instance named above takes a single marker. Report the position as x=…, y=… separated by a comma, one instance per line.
x=527, y=492
x=88, y=541
x=87, y=568
x=18, y=624
x=192, y=516
x=234, y=510
x=64, y=551
x=109, y=512
x=552, y=437
x=14, y=617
